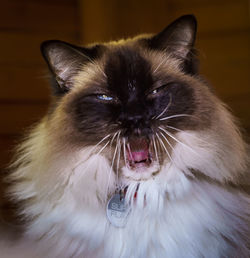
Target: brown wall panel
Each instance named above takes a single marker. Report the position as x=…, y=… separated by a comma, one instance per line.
x=110, y=20
x=240, y=108
x=19, y=48
x=215, y=16
x=39, y=15
x=225, y=61
x=24, y=83
x=7, y=143
x=230, y=83
x=16, y=117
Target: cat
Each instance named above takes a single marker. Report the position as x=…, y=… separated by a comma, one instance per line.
x=137, y=157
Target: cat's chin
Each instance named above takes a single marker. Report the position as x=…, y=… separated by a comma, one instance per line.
x=141, y=171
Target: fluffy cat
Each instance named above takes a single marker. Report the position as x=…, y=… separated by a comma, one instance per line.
x=136, y=158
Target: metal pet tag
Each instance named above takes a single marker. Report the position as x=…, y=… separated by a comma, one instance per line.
x=117, y=211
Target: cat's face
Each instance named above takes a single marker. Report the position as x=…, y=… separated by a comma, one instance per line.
x=130, y=98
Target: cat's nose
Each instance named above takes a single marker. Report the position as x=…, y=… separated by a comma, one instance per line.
x=132, y=120
x=135, y=124
x=135, y=119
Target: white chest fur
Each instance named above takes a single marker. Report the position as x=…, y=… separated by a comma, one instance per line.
x=190, y=227
x=171, y=216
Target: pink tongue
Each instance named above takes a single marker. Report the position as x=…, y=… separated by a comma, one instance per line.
x=138, y=150
x=139, y=155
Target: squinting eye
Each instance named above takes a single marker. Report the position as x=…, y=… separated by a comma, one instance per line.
x=157, y=90
x=104, y=97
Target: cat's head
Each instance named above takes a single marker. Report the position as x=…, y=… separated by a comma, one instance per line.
x=139, y=101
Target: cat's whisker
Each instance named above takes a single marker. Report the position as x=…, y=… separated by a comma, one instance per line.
x=129, y=150
x=119, y=150
x=183, y=144
x=90, y=163
x=111, y=167
x=100, y=69
x=112, y=140
x=166, y=108
x=124, y=151
x=114, y=136
x=174, y=128
x=174, y=116
x=191, y=135
x=155, y=150
x=93, y=149
x=164, y=147
x=170, y=145
x=168, y=142
x=158, y=145
x=159, y=65
x=106, y=144
x=102, y=140
x=118, y=159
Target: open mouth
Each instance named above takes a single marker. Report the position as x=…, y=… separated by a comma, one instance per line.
x=138, y=153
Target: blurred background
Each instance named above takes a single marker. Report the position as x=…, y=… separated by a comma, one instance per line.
x=222, y=41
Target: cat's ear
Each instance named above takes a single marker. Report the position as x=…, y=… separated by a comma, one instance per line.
x=64, y=61
x=178, y=38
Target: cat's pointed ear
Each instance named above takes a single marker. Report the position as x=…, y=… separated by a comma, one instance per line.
x=64, y=61
x=178, y=37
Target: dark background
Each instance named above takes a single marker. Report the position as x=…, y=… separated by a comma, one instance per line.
x=223, y=45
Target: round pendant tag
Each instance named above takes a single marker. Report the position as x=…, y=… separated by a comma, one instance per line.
x=117, y=211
